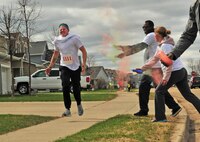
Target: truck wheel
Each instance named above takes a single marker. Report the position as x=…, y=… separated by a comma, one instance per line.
x=23, y=88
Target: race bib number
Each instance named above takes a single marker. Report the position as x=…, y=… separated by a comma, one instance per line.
x=67, y=59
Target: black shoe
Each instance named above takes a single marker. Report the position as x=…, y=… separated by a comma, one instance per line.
x=176, y=111
x=141, y=113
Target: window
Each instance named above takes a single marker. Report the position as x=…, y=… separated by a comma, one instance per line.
x=40, y=74
x=54, y=73
x=197, y=79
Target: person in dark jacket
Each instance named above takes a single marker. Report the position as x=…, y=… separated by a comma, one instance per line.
x=189, y=35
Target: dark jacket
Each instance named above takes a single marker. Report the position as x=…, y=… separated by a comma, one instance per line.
x=191, y=30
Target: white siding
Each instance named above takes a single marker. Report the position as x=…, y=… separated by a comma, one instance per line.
x=102, y=75
x=6, y=80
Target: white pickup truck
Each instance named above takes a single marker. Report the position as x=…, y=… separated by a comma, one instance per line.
x=41, y=81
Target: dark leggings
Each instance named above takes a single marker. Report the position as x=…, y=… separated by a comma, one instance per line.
x=144, y=92
x=179, y=78
x=67, y=77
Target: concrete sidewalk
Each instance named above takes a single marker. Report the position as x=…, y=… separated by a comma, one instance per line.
x=192, y=123
x=125, y=103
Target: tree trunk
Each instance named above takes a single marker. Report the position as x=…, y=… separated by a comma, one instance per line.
x=11, y=66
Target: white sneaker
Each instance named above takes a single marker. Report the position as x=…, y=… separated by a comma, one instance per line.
x=67, y=113
x=80, y=110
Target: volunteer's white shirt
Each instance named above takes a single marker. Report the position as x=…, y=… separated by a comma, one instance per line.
x=177, y=64
x=151, y=50
x=68, y=47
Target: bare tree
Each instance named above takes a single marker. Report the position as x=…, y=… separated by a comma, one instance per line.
x=198, y=66
x=194, y=65
x=52, y=35
x=191, y=64
x=9, y=23
x=91, y=60
x=30, y=13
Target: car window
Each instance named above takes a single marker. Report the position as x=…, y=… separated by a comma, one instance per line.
x=40, y=74
x=54, y=73
x=197, y=78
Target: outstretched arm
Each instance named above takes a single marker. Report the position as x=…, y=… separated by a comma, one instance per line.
x=188, y=36
x=130, y=49
x=150, y=63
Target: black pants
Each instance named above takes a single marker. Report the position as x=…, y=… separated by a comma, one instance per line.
x=69, y=76
x=179, y=78
x=144, y=92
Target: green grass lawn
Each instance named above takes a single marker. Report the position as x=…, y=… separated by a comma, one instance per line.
x=119, y=128
x=98, y=95
x=13, y=122
x=10, y=123
x=125, y=128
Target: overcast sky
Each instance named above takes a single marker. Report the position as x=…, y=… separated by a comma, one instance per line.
x=102, y=23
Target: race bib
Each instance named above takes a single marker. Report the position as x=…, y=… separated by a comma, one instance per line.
x=67, y=59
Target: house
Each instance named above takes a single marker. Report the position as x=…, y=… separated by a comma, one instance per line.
x=41, y=55
x=117, y=78
x=19, y=62
x=112, y=77
x=5, y=64
x=48, y=55
x=38, y=51
x=3, y=44
x=98, y=76
x=19, y=45
x=5, y=73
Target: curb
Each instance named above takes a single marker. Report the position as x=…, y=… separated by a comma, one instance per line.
x=181, y=130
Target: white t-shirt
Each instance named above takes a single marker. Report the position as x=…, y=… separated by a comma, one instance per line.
x=68, y=47
x=177, y=64
x=151, y=50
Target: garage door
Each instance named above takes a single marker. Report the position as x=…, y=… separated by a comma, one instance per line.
x=6, y=80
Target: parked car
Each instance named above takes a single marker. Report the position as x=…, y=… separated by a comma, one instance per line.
x=194, y=82
x=41, y=81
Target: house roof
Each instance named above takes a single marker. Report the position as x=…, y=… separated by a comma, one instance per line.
x=94, y=71
x=38, y=48
x=111, y=73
